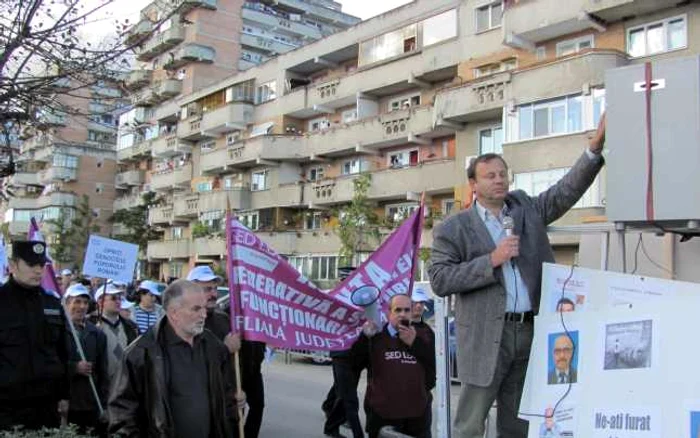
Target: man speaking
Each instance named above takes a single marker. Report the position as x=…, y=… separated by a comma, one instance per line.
x=497, y=291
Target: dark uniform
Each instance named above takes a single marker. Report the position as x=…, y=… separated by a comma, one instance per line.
x=251, y=357
x=34, y=351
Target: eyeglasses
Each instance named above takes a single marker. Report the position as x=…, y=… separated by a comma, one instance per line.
x=209, y=288
x=402, y=309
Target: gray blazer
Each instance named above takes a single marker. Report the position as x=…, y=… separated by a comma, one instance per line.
x=461, y=265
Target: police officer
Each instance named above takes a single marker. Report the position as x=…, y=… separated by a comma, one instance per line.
x=34, y=345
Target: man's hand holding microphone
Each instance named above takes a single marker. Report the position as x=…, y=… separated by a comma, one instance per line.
x=509, y=247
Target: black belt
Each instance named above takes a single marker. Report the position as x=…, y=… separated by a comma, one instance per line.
x=528, y=316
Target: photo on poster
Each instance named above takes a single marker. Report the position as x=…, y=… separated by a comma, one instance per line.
x=562, y=366
x=557, y=423
x=628, y=345
x=694, y=424
x=568, y=291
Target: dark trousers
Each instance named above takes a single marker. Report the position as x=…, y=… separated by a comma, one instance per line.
x=414, y=427
x=31, y=414
x=88, y=423
x=254, y=390
x=345, y=405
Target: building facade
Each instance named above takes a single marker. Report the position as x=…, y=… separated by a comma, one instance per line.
x=407, y=97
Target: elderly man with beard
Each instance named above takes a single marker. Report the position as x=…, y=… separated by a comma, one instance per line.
x=84, y=411
x=252, y=353
x=176, y=380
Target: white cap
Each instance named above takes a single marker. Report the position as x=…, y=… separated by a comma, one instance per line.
x=77, y=290
x=419, y=295
x=203, y=273
x=111, y=289
x=150, y=286
x=66, y=272
x=126, y=304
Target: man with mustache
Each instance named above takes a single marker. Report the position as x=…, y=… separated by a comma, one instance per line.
x=176, y=380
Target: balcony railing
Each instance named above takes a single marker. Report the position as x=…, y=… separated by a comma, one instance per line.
x=238, y=199
x=160, y=215
x=477, y=100
x=176, y=179
x=141, y=149
x=138, y=79
x=170, y=146
x=184, y=6
x=186, y=206
x=64, y=174
x=250, y=152
x=138, y=31
x=168, y=249
x=191, y=53
x=129, y=178
x=161, y=42
x=234, y=116
x=127, y=202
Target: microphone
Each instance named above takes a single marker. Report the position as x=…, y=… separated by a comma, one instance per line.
x=508, y=225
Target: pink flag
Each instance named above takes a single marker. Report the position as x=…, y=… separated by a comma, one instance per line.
x=48, y=279
x=391, y=267
x=273, y=303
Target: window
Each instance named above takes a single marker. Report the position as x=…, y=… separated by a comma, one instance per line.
x=316, y=173
x=250, y=220
x=175, y=269
x=266, y=92
x=447, y=206
x=213, y=219
x=260, y=180
x=440, y=28
x=99, y=188
x=323, y=268
x=489, y=69
x=598, y=104
x=233, y=137
x=399, y=212
x=575, y=45
x=491, y=141
x=312, y=221
x=404, y=102
x=176, y=233
x=534, y=183
x=318, y=124
x=207, y=145
x=388, y=45
x=350, y=167
x=657, y=37
x=488, y=17
x=349, y=115
x=551, y=117
x=402, y=158
x=62, y=160
x=541, y=53
x=204, y=186
x=243, y=92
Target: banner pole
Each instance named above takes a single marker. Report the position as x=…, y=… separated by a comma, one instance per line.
x=232, y=312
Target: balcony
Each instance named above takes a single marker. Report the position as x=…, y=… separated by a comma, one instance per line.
x=319, y=11
x=168, y=111
x=139, y=150
x=161, y=42
x=238, y=199
x=267, y=43
x=144, y=97
x=168, y=249
x=184, y=6
x=138, y=31
x=210, y=247
x=104, y=91
x=168, y=88
x=64, y=174
x=479, y=100
x=250, y=152
x=186, y=206
x=23, y=203
x=57, y=199
x=390, y=129
x=276, y=22
x=49, y=119
x=127, y=202
x=176, y=179
x=302, y=242
x=564, y=75
x=234, y=116
x=138, y=79
x=433, y=177
x=130, y=178
x=25, y=179
x=191, y=53
x=190, y=129
x=615, y=10
x=287, y=195
x=170, y=146
x=19, y=228
x=160, y=215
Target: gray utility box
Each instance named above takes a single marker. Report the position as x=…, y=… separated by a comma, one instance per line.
x=675, y=124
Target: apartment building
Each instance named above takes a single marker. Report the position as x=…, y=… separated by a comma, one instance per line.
x=67, y=155
x=407, y=97
x=196, y=44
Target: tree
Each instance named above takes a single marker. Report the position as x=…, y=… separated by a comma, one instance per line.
x=135, y=220
x=62, y=246
x=45, y=53
x=82, y=226
x=358, y=223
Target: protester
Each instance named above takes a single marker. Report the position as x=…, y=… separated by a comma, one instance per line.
x=147, y=311
x=341, y=405
x=34, y=345
x=401, y=371
x=251, y=353
x=177, y=376
x=419, y=298
x=498, y=292
x=125, y=310
x=84, y=409
x=119, y=331
x=66, y=279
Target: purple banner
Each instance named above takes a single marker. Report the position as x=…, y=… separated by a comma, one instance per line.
x=273, y=303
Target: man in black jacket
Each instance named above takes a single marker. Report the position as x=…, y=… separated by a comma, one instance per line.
x=176, y=380
x=400, y=362
x=84, y=409
x=34, y=381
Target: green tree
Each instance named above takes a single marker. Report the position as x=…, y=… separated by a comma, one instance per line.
x=135, y=220
x=358, y=224
x=82, y=226
x=60, y=228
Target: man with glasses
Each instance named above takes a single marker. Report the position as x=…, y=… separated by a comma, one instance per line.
x=399, y=364
x=119, y=331
x=562, y=353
